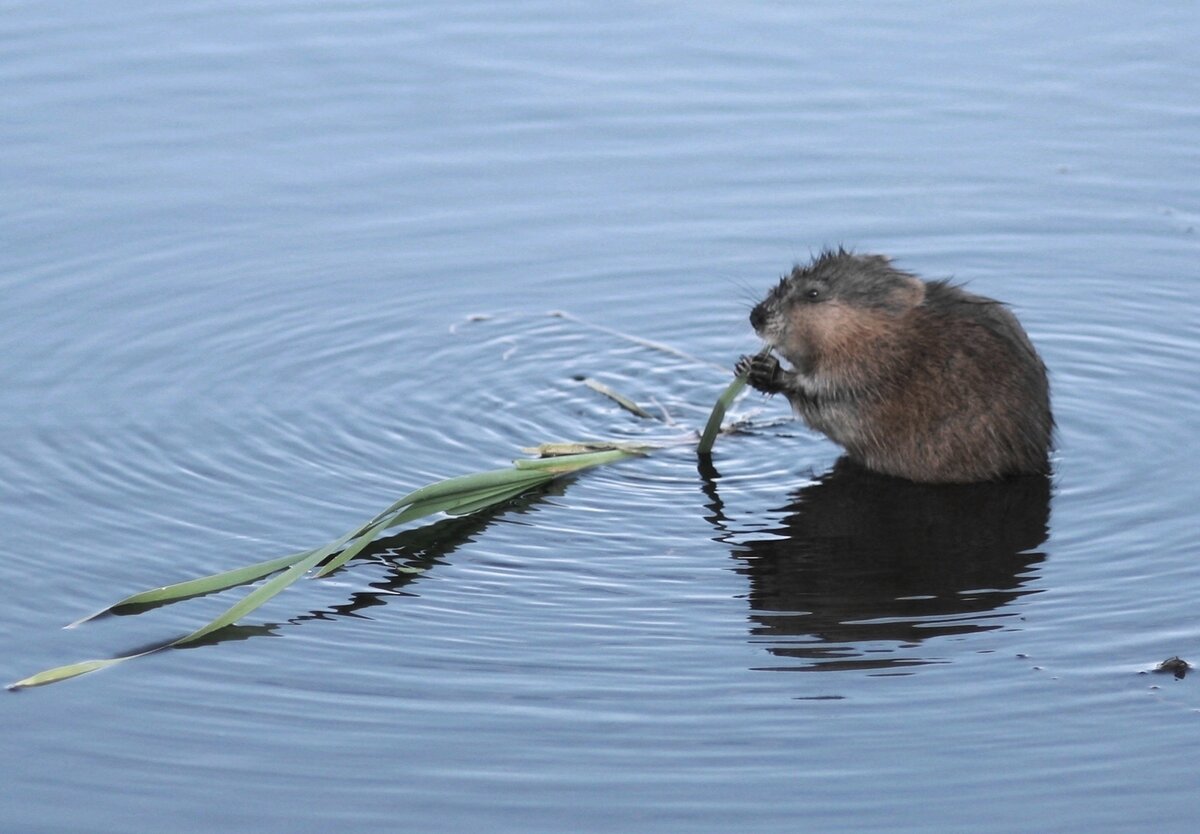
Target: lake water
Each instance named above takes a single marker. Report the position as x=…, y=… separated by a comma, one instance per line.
x=266, y=268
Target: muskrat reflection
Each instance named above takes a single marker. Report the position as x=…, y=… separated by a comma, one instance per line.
x=865, y=567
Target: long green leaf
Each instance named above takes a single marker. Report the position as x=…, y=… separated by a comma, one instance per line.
x=713, y=427
x=354, y=548
x=459, y=496
x=452, y=503
x=456, y=491
x=471, y=493
x=202, y=585
x=463, y=483
x=256, y=597
x=73, y=670
x=438, y=489
x=492, y=498
x=251, y=601
x=480, y=499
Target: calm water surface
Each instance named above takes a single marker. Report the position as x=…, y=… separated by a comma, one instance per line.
x=265, y=269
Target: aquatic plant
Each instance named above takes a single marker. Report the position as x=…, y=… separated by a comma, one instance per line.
x=457, y=496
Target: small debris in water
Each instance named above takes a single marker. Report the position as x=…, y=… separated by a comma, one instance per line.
x=1175, y=665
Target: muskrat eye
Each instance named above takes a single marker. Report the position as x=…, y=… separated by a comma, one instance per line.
x=812, y=294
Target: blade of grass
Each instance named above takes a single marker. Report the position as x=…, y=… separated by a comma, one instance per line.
x=453, y=489
x=201, y=585
x=713, y=427
x=499, y=485
x=516, y=479
x=73, y=670
x=358, y=546
x=257, y=597
x=217, y=581
x=498, y=496
x=471, y=493
x=438, y=489
x=459, y=485
x=461, y=495
x=251, y=601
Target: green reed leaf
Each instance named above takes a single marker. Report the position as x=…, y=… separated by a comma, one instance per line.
x=713, y=427
x=486, y=488
x=251, y=601
x=456, y=496
x=494, y=497
x=464, y=484
x=62, y=673
x=202, y=585
x=256, y=597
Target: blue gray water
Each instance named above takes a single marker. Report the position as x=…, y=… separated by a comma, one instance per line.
x=265, y=268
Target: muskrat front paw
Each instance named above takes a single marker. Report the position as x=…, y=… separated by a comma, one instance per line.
x=762, y=372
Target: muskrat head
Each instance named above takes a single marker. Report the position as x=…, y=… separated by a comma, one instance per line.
x=836, y=305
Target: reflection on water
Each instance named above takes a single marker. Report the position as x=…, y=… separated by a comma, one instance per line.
x=862, y=570
x=407, y=555
x=864, y=567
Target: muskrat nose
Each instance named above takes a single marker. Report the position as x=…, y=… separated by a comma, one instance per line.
x=758, y=317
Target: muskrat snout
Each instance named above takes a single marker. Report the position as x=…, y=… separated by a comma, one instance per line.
x=758, y=317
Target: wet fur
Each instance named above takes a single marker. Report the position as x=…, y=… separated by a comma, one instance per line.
x=920, y=380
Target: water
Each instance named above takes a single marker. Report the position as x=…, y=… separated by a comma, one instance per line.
x=266, y=269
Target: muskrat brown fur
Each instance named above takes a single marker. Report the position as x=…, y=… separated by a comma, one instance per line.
x=918, y=379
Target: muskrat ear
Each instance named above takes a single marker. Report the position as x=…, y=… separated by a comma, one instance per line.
x=912, y=291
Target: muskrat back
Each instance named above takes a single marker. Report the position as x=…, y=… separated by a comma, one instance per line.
x=918, y=379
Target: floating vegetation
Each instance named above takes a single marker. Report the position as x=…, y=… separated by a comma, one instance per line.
x=617, y=397
x=458, y=496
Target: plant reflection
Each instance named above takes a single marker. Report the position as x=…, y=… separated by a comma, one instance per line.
x=407, y=556
x=864, y=568
x=859, y=573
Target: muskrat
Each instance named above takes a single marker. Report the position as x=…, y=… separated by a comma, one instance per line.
x=918, y=379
